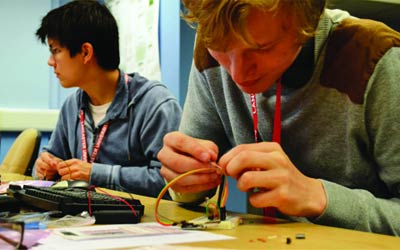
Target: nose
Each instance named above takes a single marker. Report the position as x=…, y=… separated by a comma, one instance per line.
x=242, y=66
x=51, y=61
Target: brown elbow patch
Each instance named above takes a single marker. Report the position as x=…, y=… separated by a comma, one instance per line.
x=353, y=50
x=202, y=59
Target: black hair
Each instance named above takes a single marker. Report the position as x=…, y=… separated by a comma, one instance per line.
x=83, y=21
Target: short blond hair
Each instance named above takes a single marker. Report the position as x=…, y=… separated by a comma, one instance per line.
x=217, y=20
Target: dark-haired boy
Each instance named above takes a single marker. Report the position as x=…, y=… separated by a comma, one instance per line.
x=110, y=130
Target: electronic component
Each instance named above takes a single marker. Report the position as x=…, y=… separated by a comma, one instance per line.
x=300, y=236
x=204, y=222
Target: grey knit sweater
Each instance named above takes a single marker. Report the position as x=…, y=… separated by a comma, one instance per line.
x=340, y=125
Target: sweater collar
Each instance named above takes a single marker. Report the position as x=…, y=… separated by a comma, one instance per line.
x=119, y=105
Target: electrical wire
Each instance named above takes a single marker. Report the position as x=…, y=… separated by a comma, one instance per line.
x=119, y=199
x=222, y=200
x=94, y=188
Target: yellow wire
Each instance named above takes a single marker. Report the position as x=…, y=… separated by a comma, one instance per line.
x=168, y=222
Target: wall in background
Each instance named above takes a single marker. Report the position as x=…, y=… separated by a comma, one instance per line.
x=176, y=48
x=23, y=61
x=25, y=74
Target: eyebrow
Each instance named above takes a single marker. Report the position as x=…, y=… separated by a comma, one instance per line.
x=52, y=45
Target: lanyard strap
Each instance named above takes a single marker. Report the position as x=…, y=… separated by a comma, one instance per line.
x=100, y=138
x=97, y=145
x=276, y=136
x=255, y=115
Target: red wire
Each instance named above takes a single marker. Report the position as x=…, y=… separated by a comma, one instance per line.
x=120, y=199
x=110, y=195
x=89, y=200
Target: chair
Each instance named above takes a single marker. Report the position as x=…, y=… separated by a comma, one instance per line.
x=22, y=154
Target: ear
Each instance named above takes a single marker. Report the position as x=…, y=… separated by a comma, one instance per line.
x=87, y=52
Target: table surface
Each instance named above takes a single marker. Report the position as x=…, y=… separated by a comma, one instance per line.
x=256, y=232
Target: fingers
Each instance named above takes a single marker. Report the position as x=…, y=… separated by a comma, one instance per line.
x=286, y=189
x=275, y=189
x=181, y=144
x=289, y=202
x=196, y=188
x=46, y=166
x=64, y=170
x=208, y=178
x=262, y=147
x=182, y=153
x=262, y=180
x=179, y=163
x=74, y=169
x=205, y=176
x=40, y=169
x=254, y=160
x=263, y=199
x=195, y=182
x=50, y=159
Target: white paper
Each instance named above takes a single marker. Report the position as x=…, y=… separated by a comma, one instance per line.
x=141, y=234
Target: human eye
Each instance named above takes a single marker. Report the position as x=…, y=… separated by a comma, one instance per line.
x=54, y=50
x=266, y=48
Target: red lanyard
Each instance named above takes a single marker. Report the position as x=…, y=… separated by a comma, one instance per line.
x=276, y=136
x=103, y=131
x=96, y=147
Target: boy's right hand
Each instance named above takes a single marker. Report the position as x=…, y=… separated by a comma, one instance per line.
x=182, y=153
x=46, y=166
